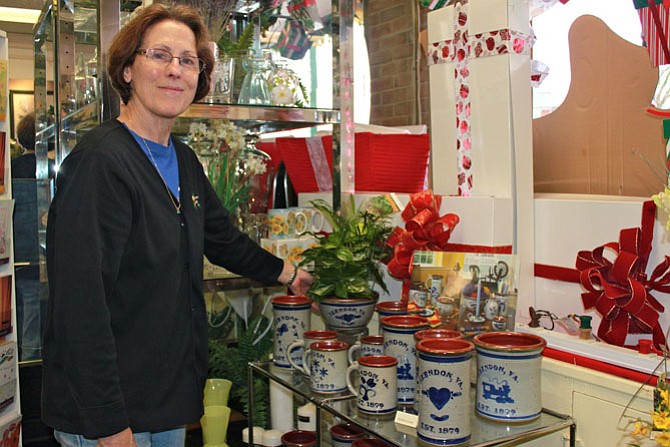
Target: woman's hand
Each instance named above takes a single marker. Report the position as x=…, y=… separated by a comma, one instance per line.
x=121, y=439
x=295, y=278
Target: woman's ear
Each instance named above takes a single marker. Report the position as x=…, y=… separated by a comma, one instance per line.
x=126, y=74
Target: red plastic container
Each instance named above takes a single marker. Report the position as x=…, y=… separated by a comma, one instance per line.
x=384, y=162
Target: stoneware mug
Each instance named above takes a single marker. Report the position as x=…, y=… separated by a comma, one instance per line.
x=367, y=345
x=398, y=331
x=377, y=393
x=299, y=438
x=327, y=362
x=444, y=380
x=291, y=320
x=431, y=334
x=297, y=347
x=508, y=376
x=434, y=286
x=343, y=435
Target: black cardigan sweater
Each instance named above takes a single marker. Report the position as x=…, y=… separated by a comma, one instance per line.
x=126, y=338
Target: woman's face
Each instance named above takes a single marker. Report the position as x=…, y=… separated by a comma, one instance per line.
x=164, y=91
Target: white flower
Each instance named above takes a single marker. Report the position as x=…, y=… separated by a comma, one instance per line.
x=282, y=96
x=255, y=164
x=662, y=200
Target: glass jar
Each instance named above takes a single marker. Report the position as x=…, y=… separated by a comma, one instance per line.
x=255, y=87
x=221, y=86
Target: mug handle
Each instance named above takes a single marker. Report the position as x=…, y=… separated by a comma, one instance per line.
x=304, y=228
x=428, y=282
x=307, y=355
x=353, y=367
x=318, y=221
x=295, y=345
x=350, y=354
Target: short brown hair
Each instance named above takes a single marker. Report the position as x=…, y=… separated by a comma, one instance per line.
x=123, y=49
x=25, y=132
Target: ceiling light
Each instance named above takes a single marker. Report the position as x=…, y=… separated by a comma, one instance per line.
x=19, y=15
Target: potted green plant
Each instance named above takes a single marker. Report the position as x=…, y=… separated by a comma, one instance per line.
x=346, y=263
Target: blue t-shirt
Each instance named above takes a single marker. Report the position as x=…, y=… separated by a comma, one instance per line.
x=164, y=160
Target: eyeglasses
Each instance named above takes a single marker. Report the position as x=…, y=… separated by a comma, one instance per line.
x=164, y=57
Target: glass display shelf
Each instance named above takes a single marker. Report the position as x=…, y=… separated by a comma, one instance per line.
x=259, y=118
x=485, y=433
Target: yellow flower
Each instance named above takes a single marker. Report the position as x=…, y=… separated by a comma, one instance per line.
x=640, y=429
x=661, y=420
x=665, y=397
x=663, y=439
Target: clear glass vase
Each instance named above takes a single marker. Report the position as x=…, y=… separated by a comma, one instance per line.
x=221, y=86
x=260, y=171
x=255, y=87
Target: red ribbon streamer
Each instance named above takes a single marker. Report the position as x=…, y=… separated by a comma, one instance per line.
x=659, y=29
x=620, y=290
x=557, y=273
x=424, y=229
x=491, y=249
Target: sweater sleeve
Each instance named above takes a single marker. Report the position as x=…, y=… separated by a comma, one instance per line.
x=230, y=248
x=89, y=223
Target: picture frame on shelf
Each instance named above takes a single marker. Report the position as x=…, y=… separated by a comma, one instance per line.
x=21, y=103
x=4, y=80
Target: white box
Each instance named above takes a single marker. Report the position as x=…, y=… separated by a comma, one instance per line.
x=501, y=104
x=568, y=223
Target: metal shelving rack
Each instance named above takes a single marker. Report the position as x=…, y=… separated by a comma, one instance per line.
x=484, y=433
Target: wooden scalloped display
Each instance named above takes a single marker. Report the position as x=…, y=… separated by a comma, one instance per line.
x=587, y=144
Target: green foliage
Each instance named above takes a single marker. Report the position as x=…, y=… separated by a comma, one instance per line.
x=346, y=262
x=230, y=190
x=221, y=324
x=239, y=47
x=229, y=361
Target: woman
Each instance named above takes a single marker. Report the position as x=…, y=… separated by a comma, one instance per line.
x=125, y=349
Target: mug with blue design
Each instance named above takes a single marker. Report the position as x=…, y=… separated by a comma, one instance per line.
x=509, y=368
x=291, y=320
x=367, y=345
x=444, y=380
x=326, y=364
x=309, y=337
x=398, y=332
x=376, y=390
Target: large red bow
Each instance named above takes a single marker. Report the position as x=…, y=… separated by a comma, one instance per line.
x=620, y=290
x=424, y=229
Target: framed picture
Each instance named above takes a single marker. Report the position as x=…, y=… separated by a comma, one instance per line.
x=21, y=103
x=471, y=292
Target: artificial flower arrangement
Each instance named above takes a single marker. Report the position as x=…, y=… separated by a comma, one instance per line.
x=228, y=161
x=662, y=200
x=659, y=427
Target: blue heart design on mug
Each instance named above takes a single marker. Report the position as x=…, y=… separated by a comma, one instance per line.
x=439, y=397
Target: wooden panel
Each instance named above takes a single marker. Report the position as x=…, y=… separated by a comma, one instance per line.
x=586, y=145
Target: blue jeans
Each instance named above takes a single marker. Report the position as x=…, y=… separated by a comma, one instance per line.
x=29, y=296
x=168, y=438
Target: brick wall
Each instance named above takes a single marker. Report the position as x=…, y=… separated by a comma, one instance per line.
x=391, y=33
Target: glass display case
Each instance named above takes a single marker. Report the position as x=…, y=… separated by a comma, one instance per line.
x=73, y=94
x=343, y=406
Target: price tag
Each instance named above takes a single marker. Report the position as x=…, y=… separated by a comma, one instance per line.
x=406, y=420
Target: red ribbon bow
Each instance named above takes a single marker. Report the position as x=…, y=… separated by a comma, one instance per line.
x=620, y=290
x=424, y=229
